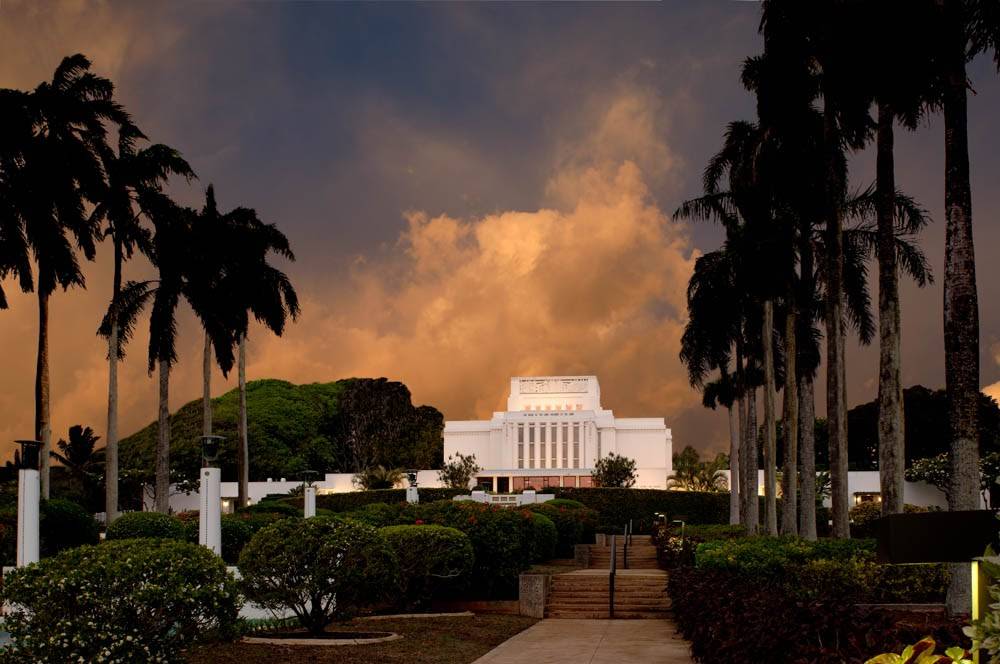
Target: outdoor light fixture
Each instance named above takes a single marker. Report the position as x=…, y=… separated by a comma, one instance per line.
x=411, y=475
x=210, y=450
x=308, y=477
x=29, y=453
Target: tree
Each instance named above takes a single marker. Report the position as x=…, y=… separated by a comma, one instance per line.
x=77, y=453
x=967, y=28
x=377, y=477
x=459, y=471
x=722, y=392
x=693, y=474
x=936, y=471
x=251, y=285
x=614, y=471
x=134, y=190
x=171, y=254
x=52, y=166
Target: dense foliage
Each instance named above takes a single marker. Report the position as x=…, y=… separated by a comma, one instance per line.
x=434, y=561
x=62, y=525
x=458, y=471
x=344, y=426
x=321, y=569
x=351, y=500
x=540, y=542
x=614, y=471
x=127, y=601
x=616, y=507
x=693, y=474
x=790, y=600
x=146, y=525
x=574, y=525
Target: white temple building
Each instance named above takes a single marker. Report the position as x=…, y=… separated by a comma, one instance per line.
x=553, y=432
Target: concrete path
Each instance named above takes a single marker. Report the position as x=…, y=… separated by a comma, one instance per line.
x=593, y=642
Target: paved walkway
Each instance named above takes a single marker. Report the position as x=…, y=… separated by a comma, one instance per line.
x=593, y=642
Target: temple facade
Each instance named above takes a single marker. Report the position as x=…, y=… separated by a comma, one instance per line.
x=553, y=432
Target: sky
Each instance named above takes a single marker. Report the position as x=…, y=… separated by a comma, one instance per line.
x=473, y=192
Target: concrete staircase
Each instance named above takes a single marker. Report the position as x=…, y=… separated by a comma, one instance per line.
x=584, y=594
x=641, y=555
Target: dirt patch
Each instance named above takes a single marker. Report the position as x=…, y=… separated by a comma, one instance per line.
x=428, y=641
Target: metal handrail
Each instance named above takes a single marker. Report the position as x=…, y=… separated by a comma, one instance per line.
x=611, y=579
x=627, y=538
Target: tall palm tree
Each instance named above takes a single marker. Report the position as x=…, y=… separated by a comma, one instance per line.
x=135, y=179
x=57, y=168
x=251, y=285
x=967, y=28
x=173, y=254
x=722, y=391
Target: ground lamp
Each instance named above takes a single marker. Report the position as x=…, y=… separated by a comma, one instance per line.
x=27, y=503
x=308, y=493
x=412, y=495
x=905, y=539
x=210, y=495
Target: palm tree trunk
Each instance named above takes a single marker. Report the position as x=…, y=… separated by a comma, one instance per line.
x=111, y=445
x=891, y=450
x=243, y=457
x=162, y=496
x=836, y=373
x=770, y=445
x=961, y=306
x=789, y=477
x=43, y=418
x=742, y=480
x=206, y=391
x=734, y=470
x=807, y=452
x=750, y=462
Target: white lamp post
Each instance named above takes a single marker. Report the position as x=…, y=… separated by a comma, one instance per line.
x=412, y=494
x=308, y=494
x=27, y=503
x=210, y=496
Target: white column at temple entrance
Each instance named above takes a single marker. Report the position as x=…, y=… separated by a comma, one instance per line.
x=28, y=495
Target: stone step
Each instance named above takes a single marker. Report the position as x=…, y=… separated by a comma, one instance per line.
x=603, y=615
x=652, y=604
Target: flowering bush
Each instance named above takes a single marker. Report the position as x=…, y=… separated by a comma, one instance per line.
x=321, y=569
x=146, y=524
x=433, y=560
x=126, y=601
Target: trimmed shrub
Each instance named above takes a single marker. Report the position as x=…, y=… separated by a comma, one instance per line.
x=321, y=569
x=62, y=523
x=772, y=557
x=434, y=561
x=65, y=525
x=497, y=536
x=542, y=538
x=378, y=515
x=617, y=506
x=272, y=507
x=573, y=525
x=564, y=502
x=125, y=601
x=133, y=525
x=352, y=500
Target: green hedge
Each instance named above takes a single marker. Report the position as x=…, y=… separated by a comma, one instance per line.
x=573, y=525
x=617, y=506
x=62, y=525
x=133, y=525
x=434, y=561
x=352, y=500
x=541, y=539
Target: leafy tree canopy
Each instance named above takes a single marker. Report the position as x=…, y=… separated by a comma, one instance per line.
x=344, y=426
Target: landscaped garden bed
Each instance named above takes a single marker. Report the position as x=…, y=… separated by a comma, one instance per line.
x=425, y=641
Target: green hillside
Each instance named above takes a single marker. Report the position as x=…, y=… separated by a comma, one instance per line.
x=341, y=426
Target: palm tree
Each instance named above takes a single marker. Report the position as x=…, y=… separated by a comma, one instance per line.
x=77, y=452
x=967, y=28
x=258, y=288
x=173, y=254
x=57, y=168
x=722, y=391
x=135, y=179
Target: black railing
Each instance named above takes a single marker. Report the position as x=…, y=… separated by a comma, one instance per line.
x=611, y=579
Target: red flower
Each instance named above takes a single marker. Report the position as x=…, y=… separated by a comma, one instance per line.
x=419, y=522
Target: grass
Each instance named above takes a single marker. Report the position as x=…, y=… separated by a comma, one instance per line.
x=425, y=641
